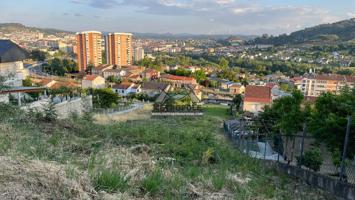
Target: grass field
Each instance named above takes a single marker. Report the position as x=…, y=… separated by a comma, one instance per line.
x=161, y=158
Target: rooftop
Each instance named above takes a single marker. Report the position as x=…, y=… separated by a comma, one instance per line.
x=177, y=78
x=123, y=85
x=11, y=52
x=255, y=93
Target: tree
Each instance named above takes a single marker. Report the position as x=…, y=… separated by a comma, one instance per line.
x=200, y=76
x=223, y=63
x=104, y=59
x=329, y=120
x=104, y=98
x=113, y=79
x=287, y=117
x=38, y=55
x=27, y=82
x=237, y=101
x=311, y=159
x=89, y=68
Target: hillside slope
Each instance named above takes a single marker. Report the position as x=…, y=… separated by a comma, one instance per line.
x=335, y=32
x=12, y=27
x=171, y=158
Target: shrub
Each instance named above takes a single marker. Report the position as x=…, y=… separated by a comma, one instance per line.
x=311, y=159
x=49, y=113
x=153, y=182
x=110, y=181
x=218, y=181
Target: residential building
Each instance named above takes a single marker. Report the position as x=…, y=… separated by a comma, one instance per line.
x=138, y=54
x=11, y=65
x=119, y=49
x=126, y=88
x=93, y=81
x=256, y=98
x=89, y=49
x=236, y=88
x=134, y=69
x=118, y=73
x=135, y=78
x=151, y=74
x=178, y=80
x=100, y=69
x=153, y=89
x=315, y=84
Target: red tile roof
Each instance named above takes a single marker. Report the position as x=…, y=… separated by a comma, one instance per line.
x=90, y=77
x=177, y=78
x=270, y=85
x=261, y=94
x=332, y=77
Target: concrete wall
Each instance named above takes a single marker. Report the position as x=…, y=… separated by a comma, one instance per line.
x=78, y=106
x=65, y=108
x=326, y=183
x=4, y=98
x=254, y=107
x=14, y=72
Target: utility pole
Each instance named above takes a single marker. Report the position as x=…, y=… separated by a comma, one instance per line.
x=346, y=140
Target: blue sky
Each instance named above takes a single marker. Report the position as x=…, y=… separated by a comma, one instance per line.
x=177, y=16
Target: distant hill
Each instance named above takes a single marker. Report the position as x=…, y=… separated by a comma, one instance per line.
x=11, y=27
x=326, y=33
x=185, y=36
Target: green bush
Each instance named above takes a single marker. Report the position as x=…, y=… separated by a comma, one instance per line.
x=218, y=181
x=109, y=181
x=153, y=182
x=311, y=159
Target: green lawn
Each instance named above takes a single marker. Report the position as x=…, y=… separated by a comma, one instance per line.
x=220, y=111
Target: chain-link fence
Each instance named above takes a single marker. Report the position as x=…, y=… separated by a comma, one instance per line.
x=298, y=150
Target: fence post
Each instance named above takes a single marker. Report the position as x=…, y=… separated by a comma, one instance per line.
x=299, y=164
x=342, y=172
x=278, y=147
x=265, y=148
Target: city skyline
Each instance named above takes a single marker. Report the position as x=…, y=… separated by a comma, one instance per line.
x=253, y=17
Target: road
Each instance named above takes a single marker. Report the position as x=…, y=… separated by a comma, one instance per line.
x=36, y=68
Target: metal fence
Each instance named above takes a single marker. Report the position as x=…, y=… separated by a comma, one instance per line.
x=291, y=150
x=119, y=108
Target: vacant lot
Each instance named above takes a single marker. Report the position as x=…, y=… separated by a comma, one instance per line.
x=161, y=158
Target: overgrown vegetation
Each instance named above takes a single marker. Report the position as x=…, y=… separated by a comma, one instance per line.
x=172, y=158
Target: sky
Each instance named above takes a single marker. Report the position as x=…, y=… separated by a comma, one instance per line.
x=248, y=17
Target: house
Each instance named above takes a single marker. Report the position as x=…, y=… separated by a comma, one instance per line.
x=197, y=91
x=256, y=98
x=100, y=69
x=236, y=88
x=178, y=80
x=126, y=88
x=151, y=74
x=67, y=84
x=153, y=89
x=118, y=73
x=93, y=81
x=134, y=78
x=226, y=84
x=11, y=52
x=134, y=69
x=11, y=65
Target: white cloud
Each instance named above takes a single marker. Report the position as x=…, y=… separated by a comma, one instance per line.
x=232, y=15
x=350, y=14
